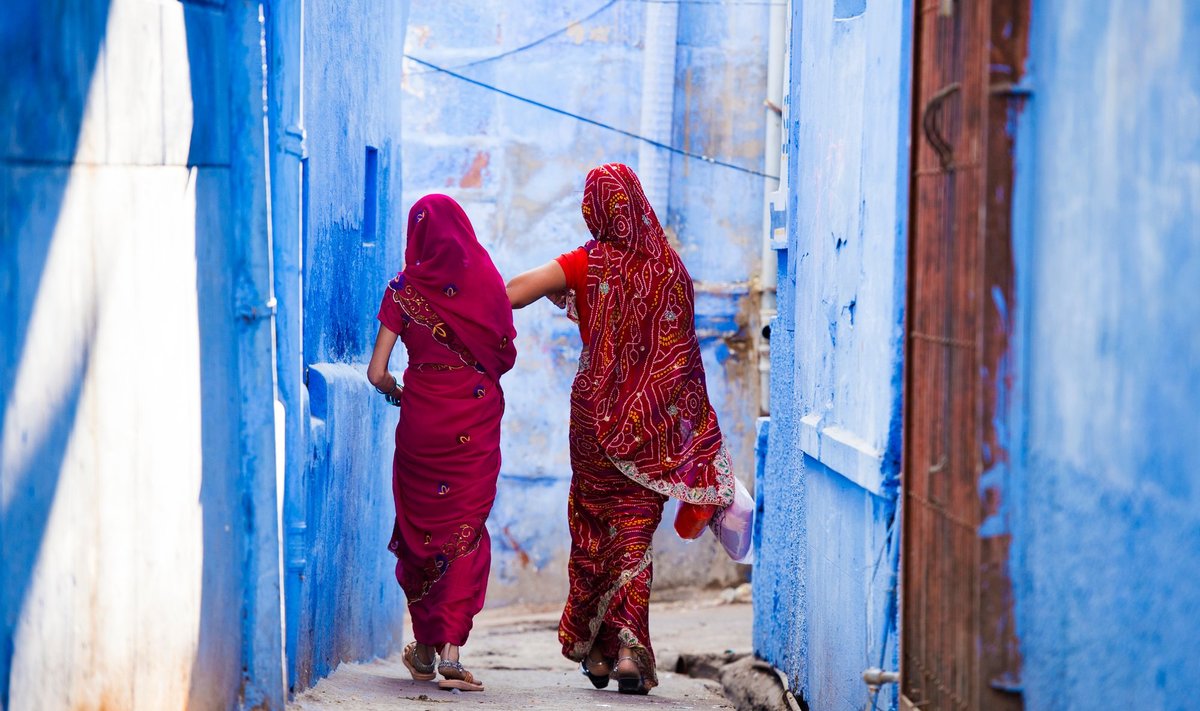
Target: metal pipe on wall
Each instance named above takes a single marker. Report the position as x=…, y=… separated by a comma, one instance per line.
x=658, y=102
x=288, y=150
x=250, y=243
x=774, y=190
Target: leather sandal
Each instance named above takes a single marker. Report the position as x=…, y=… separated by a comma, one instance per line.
x=420, y=671
x=631, y=683
x=456, y=677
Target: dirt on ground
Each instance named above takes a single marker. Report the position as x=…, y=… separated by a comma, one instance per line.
x=515, y=652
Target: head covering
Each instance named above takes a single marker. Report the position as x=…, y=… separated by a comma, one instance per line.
x=644, y=383
x=445, y=263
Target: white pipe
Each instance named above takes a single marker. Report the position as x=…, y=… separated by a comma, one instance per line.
x=658, y=102
x=774, y=190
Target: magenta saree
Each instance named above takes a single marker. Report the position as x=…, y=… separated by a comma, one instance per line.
x=450, y=310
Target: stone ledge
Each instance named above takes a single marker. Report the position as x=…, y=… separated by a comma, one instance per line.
x=842, y=452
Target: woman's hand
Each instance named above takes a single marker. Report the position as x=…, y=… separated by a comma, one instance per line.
x=528, y=287
x=392, y=393
x=377, y=371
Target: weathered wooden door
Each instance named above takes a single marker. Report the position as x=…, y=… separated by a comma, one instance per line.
x=959, y=648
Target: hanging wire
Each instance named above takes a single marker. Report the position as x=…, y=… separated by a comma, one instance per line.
x=591, y=121
x=711, y=2
x=529, y=45
x=566, y=28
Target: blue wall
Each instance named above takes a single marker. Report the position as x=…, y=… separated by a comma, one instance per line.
x=1108, y=243
x=1098, y=412
x=831, y=461
x=155, y=395
x=138, y=519
x=335, y=115
x=518, y=170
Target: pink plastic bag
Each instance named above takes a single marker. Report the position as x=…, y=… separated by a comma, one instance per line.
x=734, y=525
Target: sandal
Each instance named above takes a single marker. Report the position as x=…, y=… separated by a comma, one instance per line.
x=600, y=681
x=456, y=677
x=420, y=671
x=631, y=683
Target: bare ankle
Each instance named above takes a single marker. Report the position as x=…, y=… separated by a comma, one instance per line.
x=423, y=653
x=627, y=662
x=597, y=663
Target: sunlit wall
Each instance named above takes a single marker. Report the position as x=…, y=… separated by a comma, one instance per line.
x=127, y=182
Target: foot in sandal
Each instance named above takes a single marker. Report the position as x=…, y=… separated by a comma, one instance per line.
x=629, y=674
x=596, y=668
x=453, y=673
x=419, y=660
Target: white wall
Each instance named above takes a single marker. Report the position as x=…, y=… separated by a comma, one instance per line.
x=120, y=512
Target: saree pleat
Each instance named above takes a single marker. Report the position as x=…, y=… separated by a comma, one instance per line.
x=612, y=521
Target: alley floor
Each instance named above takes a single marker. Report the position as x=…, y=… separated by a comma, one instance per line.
x=515, y=651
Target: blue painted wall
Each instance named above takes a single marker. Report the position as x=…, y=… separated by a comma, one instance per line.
x=138, y=514
x=156, y=397
x=830, y=464
x=518, y=170
x=1108, y=246
x=1103, y=373
x=336, y=112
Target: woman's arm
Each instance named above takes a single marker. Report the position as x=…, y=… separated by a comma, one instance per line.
x=377, y=370
x=528, y=287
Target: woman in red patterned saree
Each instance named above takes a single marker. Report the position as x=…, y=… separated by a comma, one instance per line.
x=642, y=428
x=450, y=309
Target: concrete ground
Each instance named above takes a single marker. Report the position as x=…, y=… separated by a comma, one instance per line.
x=515, y=652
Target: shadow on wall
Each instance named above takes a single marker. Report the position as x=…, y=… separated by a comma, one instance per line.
x=45, y=361
x=39, y=147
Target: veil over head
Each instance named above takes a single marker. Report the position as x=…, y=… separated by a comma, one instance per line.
x=445, y=263
x=643, y=389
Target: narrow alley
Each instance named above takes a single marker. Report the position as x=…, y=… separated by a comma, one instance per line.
x=897, y=298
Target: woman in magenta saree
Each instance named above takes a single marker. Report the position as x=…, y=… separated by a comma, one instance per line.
x=642, y=428
x=450, y=309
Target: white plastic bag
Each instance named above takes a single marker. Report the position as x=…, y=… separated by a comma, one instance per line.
x=734, y=525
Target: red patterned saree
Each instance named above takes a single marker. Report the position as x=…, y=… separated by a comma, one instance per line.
x=642, y=428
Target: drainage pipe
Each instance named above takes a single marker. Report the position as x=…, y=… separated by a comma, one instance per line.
x=774, y=191
x=658, y=102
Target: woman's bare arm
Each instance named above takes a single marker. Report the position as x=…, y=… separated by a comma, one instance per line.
x=527, y=287
x=377, y=370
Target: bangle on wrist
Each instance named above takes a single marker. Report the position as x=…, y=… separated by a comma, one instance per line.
x=381, y=391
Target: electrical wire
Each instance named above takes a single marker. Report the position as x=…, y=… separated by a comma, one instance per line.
x=564, y=29
x=591, y=121
x=710, y=2
x=529, y=45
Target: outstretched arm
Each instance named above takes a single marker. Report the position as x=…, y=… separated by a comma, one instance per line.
x=527, y=287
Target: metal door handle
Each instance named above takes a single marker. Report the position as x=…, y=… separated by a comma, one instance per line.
x=933, y=134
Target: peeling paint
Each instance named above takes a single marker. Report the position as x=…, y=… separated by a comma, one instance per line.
x=473, y=177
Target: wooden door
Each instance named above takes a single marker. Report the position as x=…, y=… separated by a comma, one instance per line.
x=958, y=646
